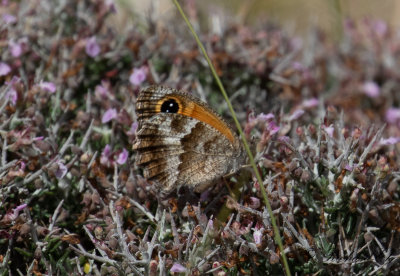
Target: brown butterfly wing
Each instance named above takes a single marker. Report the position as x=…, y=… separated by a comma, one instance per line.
x=211, y=156
x=182, y=148
x=177, y=150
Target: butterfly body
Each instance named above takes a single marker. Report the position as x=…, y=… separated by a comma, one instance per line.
x=181, y=141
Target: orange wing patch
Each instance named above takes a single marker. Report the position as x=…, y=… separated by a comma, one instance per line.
x=196, y=111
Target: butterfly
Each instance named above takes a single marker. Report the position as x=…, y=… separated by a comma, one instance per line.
x=181, y=141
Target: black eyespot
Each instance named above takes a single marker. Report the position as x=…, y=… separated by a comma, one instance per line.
x=170, y=106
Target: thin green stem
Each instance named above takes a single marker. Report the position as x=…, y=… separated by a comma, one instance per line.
x=277, y=237
x=338, y=14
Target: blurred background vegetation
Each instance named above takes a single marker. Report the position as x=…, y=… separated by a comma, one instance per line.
x=297, y=16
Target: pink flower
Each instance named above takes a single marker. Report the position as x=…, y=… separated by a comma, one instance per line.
x=371, y=89
x=122, y=157
x=313, y=102
x=20, y=207
x=61, y=171
x=105, y=155
x=349, y=168
x=138, y=76
x=92, y=48
x=329, y=130
x=109, y=115
x=265, y=117
x=260, y=118
x=389, y=141
x=13, y=80
x=47, y=86
x=380, y=27
x=12, y=96
x=296, y=114
x=102, y=89
x=257, y=236
x=392, y=115
x=210, y=224
x=38, y=138
x=273, y=128
x=4, y=69
x=178, y=268
x=15, y=48
x=23, y=165
x=111, y=5
x=298, y=66
x=133, y=129
x=15, y=211
x=9, y=18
